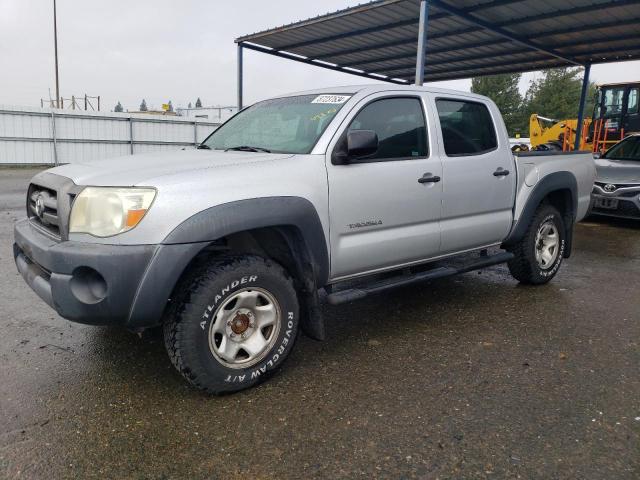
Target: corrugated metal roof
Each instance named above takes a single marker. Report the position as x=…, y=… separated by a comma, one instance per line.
x=465, y=38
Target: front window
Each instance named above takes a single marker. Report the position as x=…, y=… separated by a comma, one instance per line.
x=279, y=125
x=399, y=124
x=613, y=101
x=628, y=149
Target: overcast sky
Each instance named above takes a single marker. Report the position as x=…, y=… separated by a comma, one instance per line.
x=167, y=50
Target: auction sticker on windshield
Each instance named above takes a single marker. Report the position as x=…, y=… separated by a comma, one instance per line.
x=331, y=99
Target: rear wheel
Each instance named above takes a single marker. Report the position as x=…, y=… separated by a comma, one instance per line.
x=233, y=324
x=540, y=252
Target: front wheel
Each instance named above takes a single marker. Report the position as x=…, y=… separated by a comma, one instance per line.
x=539, y=254
x=233, y=324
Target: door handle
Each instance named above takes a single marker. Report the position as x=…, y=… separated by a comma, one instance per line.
x=501, y=173
x=429, y=179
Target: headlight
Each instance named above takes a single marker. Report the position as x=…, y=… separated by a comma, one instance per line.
x=107, y=211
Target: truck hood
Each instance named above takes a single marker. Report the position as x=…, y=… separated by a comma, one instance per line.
x=617, y=171
x=143, y=169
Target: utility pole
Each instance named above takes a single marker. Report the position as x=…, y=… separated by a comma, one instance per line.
x=55, y=46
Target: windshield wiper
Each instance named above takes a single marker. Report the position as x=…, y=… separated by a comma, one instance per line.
x=202, y=146
x=248, y=148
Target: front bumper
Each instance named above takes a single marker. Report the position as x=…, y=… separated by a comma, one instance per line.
x=98, y=284
x=627, y=201
x=87, y=283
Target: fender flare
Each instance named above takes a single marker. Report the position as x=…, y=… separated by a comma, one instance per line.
x=562, y=180
x=188, y=239
x=233, y=217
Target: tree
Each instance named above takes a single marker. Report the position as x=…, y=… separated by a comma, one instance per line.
x=503, y=90
x=118, y=107
x=170, y=109
x=557, y=94
x=189, y=106
x=143, y=106
x=198, y=103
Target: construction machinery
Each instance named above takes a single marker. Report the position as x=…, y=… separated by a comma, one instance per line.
x=615, y=115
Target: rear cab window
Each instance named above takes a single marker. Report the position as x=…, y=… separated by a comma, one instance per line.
x=467, y=127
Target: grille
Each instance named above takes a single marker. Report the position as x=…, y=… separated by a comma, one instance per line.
x=625, y=209
x=42, y=208
x=616, y=192
x=618, y=185
x=630, y=194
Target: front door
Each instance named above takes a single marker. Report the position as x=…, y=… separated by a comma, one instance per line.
x=631, y=122
x=478, y=176
x=381, y=214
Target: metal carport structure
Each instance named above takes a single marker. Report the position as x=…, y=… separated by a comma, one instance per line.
x=401, y=41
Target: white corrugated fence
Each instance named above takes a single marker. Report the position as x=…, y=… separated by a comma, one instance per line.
x=54, y=136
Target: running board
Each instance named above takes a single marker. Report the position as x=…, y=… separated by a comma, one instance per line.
x=351, y=294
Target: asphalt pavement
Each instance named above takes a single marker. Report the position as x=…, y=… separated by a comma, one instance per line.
x=462, y=378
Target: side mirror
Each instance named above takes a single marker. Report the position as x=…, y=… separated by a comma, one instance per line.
x=361, y=143
x=597, y=155
x=357, y=144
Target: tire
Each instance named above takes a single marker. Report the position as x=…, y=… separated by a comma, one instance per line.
x=537, y=257
x=232, y=324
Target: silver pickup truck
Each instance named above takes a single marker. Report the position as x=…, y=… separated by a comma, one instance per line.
x=350, y=190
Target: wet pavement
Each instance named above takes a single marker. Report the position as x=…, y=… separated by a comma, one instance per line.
x=468, y=377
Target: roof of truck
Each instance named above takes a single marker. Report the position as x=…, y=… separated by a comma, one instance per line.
x=383, y=87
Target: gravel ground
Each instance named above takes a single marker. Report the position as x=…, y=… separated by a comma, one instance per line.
x=468, y=377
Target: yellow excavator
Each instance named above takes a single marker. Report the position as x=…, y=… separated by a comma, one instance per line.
x=615, y=115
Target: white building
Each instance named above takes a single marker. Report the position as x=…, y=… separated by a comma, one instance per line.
x=211, y=114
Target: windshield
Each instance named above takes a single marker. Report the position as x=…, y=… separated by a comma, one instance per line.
x=628, y=149
x=279, y=125
x=613, y=100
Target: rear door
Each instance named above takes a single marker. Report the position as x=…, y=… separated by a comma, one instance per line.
x=478, y=174
x=381, y=215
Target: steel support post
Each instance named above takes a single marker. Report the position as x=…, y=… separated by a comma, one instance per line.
x=239, y=77
x=422, y=41
x=583, y=101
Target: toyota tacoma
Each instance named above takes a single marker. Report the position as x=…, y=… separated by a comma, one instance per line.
x=343, y=192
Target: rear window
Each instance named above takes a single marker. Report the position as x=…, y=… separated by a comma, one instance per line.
x=467, y=127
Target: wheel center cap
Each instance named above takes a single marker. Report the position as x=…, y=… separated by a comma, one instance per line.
x=240, y=323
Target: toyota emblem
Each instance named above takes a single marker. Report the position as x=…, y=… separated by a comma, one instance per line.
x=40, y=206
x=610, y=187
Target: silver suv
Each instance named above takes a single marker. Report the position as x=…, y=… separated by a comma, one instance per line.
x=228, y=245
